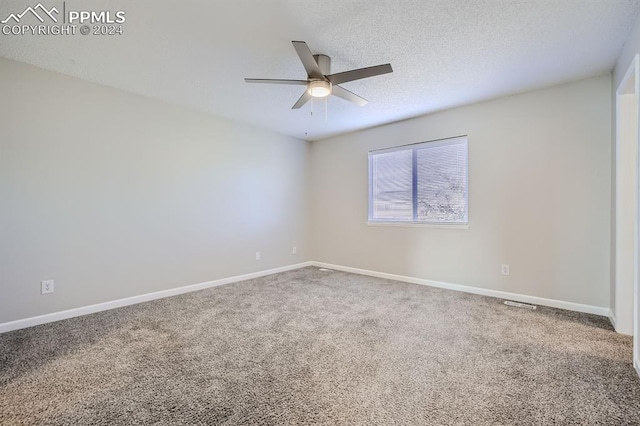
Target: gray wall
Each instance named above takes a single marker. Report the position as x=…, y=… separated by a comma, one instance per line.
x=539, y=199
x=114, y=195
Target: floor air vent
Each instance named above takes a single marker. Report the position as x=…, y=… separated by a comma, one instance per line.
x=519, y=305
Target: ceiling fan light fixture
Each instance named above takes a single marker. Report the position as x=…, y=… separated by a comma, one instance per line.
x=319, y=88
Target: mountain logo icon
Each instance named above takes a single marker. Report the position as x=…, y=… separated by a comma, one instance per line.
x=34, y=11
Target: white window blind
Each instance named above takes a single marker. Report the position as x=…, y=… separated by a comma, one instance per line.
x=420, y=183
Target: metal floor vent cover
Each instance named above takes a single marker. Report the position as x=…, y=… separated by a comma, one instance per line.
x=519, y=305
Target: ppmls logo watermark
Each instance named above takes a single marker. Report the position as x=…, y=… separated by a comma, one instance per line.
x=41, y=20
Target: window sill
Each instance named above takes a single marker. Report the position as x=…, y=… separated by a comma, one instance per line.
x=421, y=225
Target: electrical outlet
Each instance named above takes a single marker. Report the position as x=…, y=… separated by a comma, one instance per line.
x=294, y=250
x=47, y=286
x=257, y=255
x=505, y=269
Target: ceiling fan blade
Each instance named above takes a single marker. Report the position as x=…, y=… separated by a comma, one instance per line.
x=275, y=81
x=303, y=100
x=343, y=93
x=308, y=61
x=343, y=77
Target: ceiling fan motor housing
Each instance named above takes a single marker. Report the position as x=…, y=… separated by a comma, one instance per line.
x=321, y=88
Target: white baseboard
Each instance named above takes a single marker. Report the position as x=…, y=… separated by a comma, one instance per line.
x=614, y=323
x=636, y=364
x=612, y=318
x=475, y=290
x=85, y=310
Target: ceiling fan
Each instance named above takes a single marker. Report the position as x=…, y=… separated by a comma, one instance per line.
x=320, y=83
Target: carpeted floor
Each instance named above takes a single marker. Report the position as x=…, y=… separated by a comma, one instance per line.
x=313, y=347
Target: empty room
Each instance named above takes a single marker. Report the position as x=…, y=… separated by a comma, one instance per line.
x=286, y=212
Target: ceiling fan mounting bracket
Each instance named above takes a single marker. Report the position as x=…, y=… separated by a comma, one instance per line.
x=324, y=63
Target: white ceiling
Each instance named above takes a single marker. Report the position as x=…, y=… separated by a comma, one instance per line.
x=444, y=53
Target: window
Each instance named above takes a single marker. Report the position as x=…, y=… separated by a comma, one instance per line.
x=421, y=183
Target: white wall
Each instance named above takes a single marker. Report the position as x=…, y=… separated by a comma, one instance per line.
x=629, y=50
x=539, y=199
x=113, y=195
x=625, y=310
x=625, y=58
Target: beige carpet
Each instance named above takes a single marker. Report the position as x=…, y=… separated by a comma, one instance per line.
x=313, y=347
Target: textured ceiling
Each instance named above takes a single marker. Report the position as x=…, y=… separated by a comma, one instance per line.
x=444, y=53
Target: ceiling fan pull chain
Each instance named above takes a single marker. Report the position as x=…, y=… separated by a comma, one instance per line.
x=326, y=108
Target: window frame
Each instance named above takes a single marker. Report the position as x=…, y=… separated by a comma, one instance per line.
x=414, y=147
